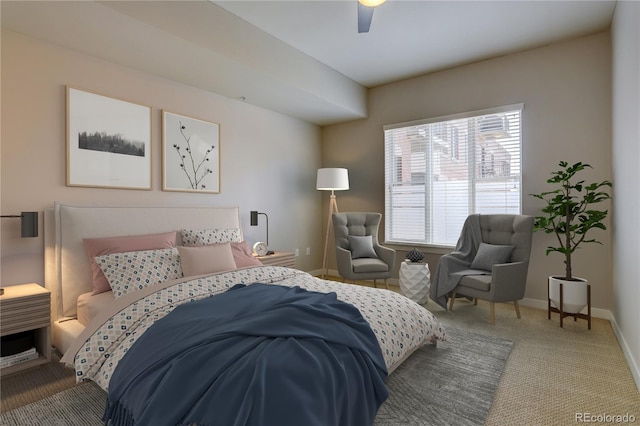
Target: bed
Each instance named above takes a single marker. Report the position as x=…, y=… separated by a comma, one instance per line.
x=109, y=335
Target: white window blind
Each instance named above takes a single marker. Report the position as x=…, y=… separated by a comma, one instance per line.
x=438, y=171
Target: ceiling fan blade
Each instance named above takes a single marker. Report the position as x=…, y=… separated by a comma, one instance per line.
x=365, y=14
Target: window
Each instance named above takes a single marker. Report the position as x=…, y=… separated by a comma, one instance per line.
x=438, y=171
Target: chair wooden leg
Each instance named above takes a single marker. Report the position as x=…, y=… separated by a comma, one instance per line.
x=475, y=301
x=386, y=283
x=453, y=297
x=375, y=284
x=492, y=313
x=515, y=304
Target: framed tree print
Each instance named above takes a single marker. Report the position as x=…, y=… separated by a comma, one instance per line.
x=190, y=154
x=108, y=142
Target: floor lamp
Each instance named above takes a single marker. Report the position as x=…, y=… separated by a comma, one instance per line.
x=331, y=180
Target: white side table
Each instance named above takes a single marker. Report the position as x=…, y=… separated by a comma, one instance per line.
x=27, y=308
x=415, y=281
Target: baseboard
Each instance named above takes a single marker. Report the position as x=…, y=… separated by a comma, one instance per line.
x=633, y=364
x=543, y=304
x=316, y=272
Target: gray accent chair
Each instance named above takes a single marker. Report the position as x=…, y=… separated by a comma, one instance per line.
x=377, y=264
x=506, y=281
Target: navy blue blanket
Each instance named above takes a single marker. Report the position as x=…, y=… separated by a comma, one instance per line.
x=254, y=355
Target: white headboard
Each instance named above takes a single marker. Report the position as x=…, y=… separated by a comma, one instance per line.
x=67, y=270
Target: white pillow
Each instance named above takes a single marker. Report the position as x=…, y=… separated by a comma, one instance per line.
x=206, y=259
x=135, y=270
x=203, y=237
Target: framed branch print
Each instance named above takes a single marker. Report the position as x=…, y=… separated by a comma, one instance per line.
x=190, y=154
x=108, y=142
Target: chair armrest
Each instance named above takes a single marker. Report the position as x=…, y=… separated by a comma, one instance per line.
x=387, y=255
x=508, y=281
x=343, y=260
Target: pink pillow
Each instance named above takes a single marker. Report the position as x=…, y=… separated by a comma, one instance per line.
x=209, y=259
x=242, y=255
x=103, y=246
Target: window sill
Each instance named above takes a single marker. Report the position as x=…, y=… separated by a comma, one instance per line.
x=425, y=248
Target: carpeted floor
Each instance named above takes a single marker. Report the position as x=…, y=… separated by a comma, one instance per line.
x=425, y=390
x=81, y=405
x=35, y=384
x=553, y=373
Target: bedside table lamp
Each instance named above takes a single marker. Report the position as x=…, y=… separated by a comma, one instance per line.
x=29, y=225
x=254, y=222
x=331, y=179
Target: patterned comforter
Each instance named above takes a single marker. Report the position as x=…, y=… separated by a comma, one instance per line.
x=399, y=324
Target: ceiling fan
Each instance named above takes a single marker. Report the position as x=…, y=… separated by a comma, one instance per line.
x=365, y=13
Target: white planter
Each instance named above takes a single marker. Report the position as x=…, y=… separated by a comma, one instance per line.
x=574, y=294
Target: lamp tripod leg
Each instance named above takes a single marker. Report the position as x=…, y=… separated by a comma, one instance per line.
x=333, y=206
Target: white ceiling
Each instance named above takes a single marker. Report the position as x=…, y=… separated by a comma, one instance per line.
x=409, y=38
x=301, y=58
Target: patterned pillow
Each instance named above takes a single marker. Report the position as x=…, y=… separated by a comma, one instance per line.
x=135, y=270
x=103, y=246
x=203, y=237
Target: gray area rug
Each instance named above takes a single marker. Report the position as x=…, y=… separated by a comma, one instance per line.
x=450, y=384
x=82, y=405
x=453, y=383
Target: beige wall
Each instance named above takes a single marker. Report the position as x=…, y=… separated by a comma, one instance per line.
x=626, y=156
x=268, y=160
x=566, y=91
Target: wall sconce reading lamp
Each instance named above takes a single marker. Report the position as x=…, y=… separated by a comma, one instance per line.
x=29, y=221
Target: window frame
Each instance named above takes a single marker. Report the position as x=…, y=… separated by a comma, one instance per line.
x=468, y=157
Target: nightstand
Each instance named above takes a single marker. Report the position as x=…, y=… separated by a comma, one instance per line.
x=26, y=308
x=279, y=258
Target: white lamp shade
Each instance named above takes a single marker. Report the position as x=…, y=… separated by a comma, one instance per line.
x=332, y=179
x=371, y=3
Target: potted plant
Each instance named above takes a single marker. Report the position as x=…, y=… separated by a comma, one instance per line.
x=568, y=214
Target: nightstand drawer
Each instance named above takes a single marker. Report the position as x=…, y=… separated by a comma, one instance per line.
x=279, y=258
x=19, y=312
x=24, y=308
x=16, y=325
